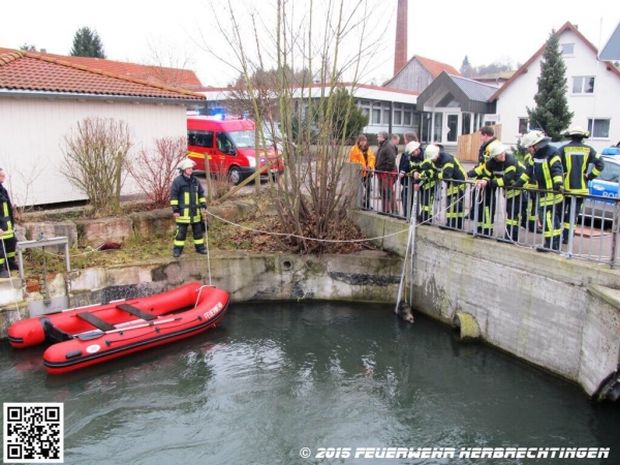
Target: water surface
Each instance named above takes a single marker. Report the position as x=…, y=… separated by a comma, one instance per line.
x=278, y=377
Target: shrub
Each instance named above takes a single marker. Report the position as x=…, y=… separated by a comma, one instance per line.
x=96, y=161
x=155, y=170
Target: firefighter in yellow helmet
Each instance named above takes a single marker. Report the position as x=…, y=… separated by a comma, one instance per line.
x=188, y=202
x=576, y=158
x=544, y=168
x=504, y=170
x=449, y=170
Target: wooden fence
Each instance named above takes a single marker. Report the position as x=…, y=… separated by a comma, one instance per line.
x=469, y=144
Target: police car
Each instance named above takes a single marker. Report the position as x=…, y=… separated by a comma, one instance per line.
x=606, y=186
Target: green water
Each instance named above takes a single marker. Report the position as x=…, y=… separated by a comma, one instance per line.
x=278, y=377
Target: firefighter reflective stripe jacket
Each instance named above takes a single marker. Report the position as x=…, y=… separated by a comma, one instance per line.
x=428, y=174
x=449, y=168
x=6, y=214
x=187, y=197
x=545, y=172
x=576, y=157
x=506, y=174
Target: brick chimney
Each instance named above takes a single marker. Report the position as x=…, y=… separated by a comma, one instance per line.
x=400, y=44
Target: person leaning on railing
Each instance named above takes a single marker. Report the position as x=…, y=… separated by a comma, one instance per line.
x=363, y=155
x=485, y=205
x=576, y=157
x=424, y=180
x=386, y=172
x=450, y=170
x=504, y=170
x=545, y=169
x=411, y=156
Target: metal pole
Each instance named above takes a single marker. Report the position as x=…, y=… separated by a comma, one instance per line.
x=414, y=222
x=615, y=234
x=402, y=275
x=571, y=228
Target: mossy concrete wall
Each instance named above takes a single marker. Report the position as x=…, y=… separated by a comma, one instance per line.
x=539, y=307
x=369, y=276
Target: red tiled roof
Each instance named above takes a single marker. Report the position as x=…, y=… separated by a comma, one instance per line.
x=568, y=26
x=436, y=67
x=173, y=77
x=42, y=72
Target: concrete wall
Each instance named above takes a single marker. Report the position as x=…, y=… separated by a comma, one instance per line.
x=539, y=307
x=369, y=276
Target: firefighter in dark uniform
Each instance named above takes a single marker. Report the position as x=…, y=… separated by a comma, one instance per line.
x=424, y=175
x=576, y=157
x=409, y=160
x=188, y=202
x=505, y=171
x=449, y=170
x=545, y=170
x=486, y=205
x=7, y=231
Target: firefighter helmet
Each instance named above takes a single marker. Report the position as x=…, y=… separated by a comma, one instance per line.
x=431, y=152
x=412, y=146
x=496, y=148
x=577, y=131
x=532, y=138
x=186, y=163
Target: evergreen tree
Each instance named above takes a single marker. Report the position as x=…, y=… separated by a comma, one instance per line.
x=348, y=119
x=86, y=43
x=466, y=68
x=551, y=113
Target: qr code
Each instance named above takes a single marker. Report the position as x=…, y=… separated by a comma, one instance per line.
x=33, y=432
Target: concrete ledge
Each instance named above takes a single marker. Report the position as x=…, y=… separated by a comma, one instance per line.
x=96, y=231
x=609, y=295
x=368, y=276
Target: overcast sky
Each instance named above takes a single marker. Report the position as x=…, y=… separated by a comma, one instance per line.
x=172, y=33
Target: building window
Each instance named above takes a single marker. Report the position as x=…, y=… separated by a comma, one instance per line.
x=523, y=125
x=398, y=114
x=453, y=125
x=466, y=129
x=438, y=126
x=376, y=116
x=583, y=84
x=386, y=115
x=567, y=49
x=407, y=118
x=599, y=128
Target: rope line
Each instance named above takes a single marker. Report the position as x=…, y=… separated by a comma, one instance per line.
x=298, y=236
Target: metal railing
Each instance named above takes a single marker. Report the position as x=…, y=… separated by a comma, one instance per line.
x=579, y=226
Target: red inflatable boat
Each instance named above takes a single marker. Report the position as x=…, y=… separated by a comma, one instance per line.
x=94, y=334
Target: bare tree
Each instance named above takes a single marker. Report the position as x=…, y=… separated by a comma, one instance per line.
x=154, y=170
x=22, y=198
x=95, y=161
x=327, y=43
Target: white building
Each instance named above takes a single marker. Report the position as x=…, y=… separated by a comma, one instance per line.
x=388, y=109
x=43, y=97
x=593, y=92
